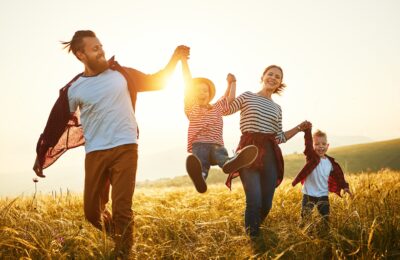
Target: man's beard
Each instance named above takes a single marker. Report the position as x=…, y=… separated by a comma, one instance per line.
x=97, y=65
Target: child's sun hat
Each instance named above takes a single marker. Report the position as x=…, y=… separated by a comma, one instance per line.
x=209, y=83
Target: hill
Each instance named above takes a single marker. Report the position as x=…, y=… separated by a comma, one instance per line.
x=356, y=158
x=353, y=159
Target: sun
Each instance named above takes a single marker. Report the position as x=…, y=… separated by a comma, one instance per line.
x=174, y=89
x=172, y=98
x=163, y=108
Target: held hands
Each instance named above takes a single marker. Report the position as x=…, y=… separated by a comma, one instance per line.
x=182, y=52
x=230, y=78
x=305, y=125
x=230, y=92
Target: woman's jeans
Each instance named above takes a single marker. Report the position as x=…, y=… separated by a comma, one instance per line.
x=259, y=187
x=210, y=154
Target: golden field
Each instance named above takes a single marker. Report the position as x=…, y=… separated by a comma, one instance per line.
x=178, y=223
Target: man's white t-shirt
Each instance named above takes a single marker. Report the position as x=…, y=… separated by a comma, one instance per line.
x=107, y=115
x=316, y=184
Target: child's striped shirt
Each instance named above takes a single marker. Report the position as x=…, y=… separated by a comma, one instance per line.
x=205, y=123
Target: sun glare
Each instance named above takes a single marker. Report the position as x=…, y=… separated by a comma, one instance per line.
x=175, y=86
x=165, y=107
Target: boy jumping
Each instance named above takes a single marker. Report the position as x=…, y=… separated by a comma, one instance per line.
x=321, y=175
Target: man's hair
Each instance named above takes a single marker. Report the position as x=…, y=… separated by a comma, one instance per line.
x=76, y=44
x=319, y=133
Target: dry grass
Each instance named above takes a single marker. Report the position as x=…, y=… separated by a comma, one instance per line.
x=179, y=223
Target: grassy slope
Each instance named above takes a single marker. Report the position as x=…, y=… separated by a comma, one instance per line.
x=352, y=158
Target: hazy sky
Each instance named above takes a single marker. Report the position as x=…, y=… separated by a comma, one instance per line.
x=341, y=62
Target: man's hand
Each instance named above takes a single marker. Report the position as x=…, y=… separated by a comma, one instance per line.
x=230, y=78
x=38, y=169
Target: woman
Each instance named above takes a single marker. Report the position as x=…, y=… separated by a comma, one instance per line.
x=261, y=125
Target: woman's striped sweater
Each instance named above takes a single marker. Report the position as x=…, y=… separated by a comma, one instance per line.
x=258, y=115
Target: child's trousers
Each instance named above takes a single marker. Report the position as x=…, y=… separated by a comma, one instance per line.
x=210, y=154
x=308, y=204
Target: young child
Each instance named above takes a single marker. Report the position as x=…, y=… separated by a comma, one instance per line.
x=205, y=140
x=321, y=175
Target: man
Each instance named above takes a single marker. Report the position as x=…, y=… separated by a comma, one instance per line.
x=102, y=98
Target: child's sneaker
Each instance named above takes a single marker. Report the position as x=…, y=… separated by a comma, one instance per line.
x=193, y=167
x=243, y=158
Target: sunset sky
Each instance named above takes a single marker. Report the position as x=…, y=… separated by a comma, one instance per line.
x=341, y=62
